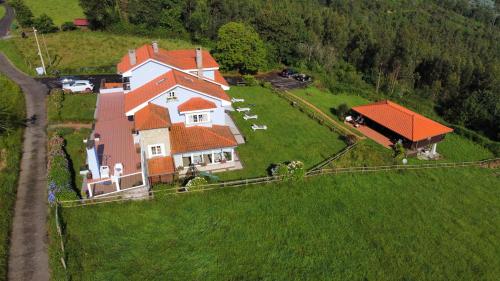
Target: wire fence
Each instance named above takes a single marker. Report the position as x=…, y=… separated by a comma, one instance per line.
x=271, y=179
x=60, y=235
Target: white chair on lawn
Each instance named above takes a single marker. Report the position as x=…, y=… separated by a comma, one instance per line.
x=248, y=117
x=258, y=127
x=235, y=100
x=243, y=109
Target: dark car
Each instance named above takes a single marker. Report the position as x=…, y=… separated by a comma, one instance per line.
x=288, y=72
x=302, y=77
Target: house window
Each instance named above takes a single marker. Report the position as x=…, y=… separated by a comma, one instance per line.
x=171, y=96
x=126, y=83
x=197, y=159
x=156, y=150
x=198, y=118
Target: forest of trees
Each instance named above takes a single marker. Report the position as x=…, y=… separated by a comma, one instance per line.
x=446, y=52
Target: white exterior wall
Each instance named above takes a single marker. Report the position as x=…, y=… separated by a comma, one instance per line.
x=145, y=73
x=217, y=116
x=178, y=157
x=209, y=74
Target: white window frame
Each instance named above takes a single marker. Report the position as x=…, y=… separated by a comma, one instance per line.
x=190, y=118
x=162, y=150
x=171, y=96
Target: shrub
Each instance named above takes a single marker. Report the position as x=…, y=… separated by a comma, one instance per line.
x=342, y=111
x=59, y=176
x=55, y=105
x=250, y=80
x=350, y=139
x=23, y=14
x=399, y=151
x=196, y=183
x=44, y=24
x=289, y=171
x=68, y=26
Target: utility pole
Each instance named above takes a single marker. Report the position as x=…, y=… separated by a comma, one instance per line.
x=46, y=50
x=39, y=51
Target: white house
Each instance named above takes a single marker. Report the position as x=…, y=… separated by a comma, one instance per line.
x=170, y=118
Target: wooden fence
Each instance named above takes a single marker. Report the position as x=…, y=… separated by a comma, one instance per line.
x=271, y=179
x=332, y=158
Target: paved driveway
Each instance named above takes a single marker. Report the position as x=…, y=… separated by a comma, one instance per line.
x=6, y=20
x=28, y=258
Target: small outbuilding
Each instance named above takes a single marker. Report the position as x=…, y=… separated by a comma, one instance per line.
x=81, y=23
x=397, y=123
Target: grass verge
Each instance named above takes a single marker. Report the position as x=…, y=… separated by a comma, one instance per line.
x=411, y=225
x=10, y=159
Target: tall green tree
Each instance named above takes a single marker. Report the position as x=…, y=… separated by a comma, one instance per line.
x=239, y=47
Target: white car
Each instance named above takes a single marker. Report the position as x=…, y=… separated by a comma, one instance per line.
x=78, y=86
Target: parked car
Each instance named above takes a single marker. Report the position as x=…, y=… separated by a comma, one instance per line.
x=78, y=86
x=67, y=79
x=302, y=77
x=288, y=72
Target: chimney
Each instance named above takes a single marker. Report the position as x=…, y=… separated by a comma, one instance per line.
x=131, y=55
x=155, y=47
x=92, y=159
x=199, y=62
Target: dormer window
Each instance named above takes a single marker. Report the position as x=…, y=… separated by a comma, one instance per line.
x=197, y=118
x=171, y=96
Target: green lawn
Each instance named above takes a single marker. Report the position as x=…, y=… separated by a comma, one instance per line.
x=2, y=11
x=10, y=50
x=75, y=108
x=412, y=225
x=78, y=52
x=290, y=134
x=10, y=158
x=59, y=10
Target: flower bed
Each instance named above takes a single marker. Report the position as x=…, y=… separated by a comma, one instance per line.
x=59, y=177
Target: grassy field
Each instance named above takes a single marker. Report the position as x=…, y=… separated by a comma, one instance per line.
x=291, y=135
x=10, y=50
x=10, y=158
x=59, y=10
x=75, y=108
x=2, y=11
x=78, y=52
x=413, y=225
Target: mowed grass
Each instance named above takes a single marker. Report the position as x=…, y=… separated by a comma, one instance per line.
x=2, y=11
x=290, y=135
x=75, y=108
x=412, y=225
x=10, y=159
x=59, y=10
x=77, y=52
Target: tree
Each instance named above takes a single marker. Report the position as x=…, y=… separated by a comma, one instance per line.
x=23, y=14
x=44, y=24
x=67, y=26
x=101, y=13
x=239, y=47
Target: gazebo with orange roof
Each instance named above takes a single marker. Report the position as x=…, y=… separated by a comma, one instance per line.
x=416, y=131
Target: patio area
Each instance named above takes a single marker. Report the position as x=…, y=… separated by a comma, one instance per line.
x=373, y=135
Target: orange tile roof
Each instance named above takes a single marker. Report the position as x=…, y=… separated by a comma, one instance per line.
x=167, y=81
x=182, y=59
x=196, y=138
x=152, y=117
x=161, y=166
x=401, y=120
x=220, y=79
x=196, y=104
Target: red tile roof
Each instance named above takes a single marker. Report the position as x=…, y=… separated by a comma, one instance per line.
x=81, y=22
x=401, y=120
x=152, y=117
x=167, y=81
x=196, y=138
x=161, y=166
x=182, y=59
x=196, y=104
x=220, y=79
x=116, y=144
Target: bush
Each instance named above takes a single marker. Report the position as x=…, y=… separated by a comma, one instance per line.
x=350, y=139
x=250, y=80
x=196, y=183
x=294, y=171
x=23, y=14
x=59, y=176
x=399, y=151
x=68, y=26
x=342, y=111
x=44, y=24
